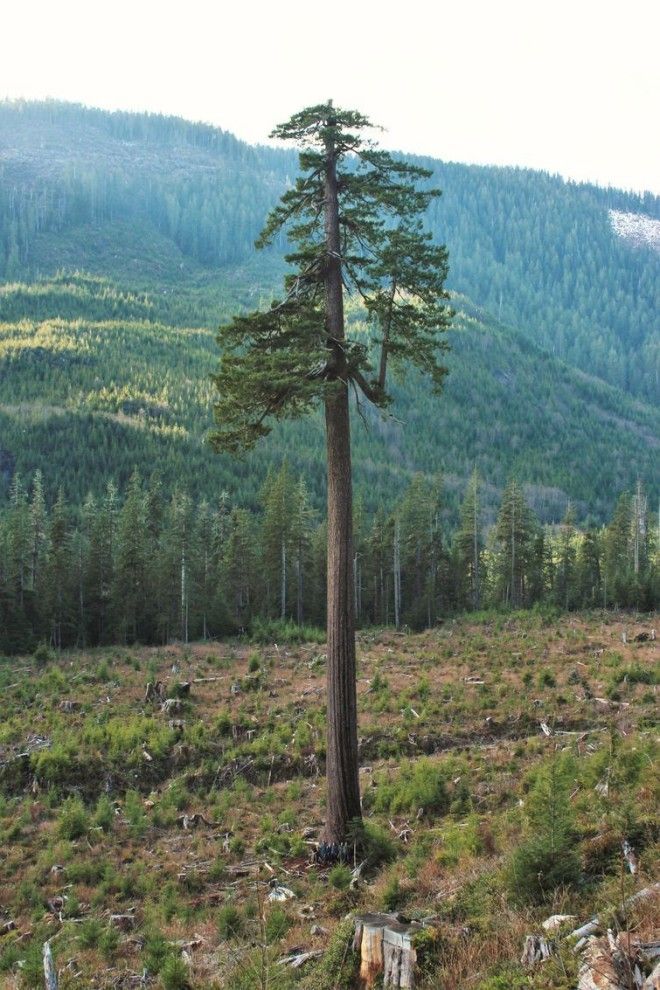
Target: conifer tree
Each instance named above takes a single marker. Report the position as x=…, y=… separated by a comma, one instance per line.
x=38, y=540
x=355, y=219
x=565, y=574
x=277, y=538
x=469, y=547
x=238, y=568
x=514, y=533
x=130, y=563
x=60, y=570
x=618, y=555
x=100, y=524
x=589, y=570
x=380, y=555
x=19, y=541
x=421, y=548
x=301, y=540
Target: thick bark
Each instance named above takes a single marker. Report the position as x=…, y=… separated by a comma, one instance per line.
x=343, y=799
x=342, y=756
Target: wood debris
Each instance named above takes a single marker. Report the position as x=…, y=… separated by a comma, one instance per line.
x=50, y=975
x=298, y=959
x=536, y=950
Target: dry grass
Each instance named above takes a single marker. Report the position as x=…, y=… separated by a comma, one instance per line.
x=250, y=759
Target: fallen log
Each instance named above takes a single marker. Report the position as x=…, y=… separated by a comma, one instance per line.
x=50, y=975
x=603, y=965
x=192, y=821
x=298, y=959
x=652, y=982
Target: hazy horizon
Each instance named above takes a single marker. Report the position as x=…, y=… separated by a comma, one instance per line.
x=568, y=89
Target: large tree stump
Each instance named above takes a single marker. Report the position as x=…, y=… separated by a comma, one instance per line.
x=386, y=946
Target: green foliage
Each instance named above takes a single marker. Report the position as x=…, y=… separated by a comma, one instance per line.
x=174, y=974
x=393, y=897
x=277, y=923
x=547, y=858
x=42, y=655
x=73, y=820
x=104, y=814
x=337, y=969
x=135, y=813
x=230, y=922
x=340, y=877
x=420, y=784
x=275, y=630
x=373, y=842
x=109, y=943
x=279, y=362
x=90, y=933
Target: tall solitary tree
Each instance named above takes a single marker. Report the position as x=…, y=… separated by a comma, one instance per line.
x=354, y=218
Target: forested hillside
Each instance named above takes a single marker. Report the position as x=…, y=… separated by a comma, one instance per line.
x=153, y=200
x=553, y=372
x=95, y=381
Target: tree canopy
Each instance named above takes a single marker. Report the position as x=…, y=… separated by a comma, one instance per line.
x=277, y=362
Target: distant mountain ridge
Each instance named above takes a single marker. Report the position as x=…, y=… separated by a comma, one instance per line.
x=152, y=200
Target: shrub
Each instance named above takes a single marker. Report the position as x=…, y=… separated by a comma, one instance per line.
x=419, y=785
x=373, y=843
x=90, y=932
x=135, y=813
x=109, y=942
x=230, y=922
x=636, y=674
x=393, y=896
x=284, y=631
x=74, y=821
x=104, y=815
x=174, y=974
x=340, y=876
x=337, y=968
x=547, y=859
x=277, y=924
x=42, y=655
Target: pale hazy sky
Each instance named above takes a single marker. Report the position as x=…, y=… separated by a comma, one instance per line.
x=571, y=87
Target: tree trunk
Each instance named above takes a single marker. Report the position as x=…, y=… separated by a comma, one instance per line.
x=342, y=756
x=343, y=799
x=397, y=575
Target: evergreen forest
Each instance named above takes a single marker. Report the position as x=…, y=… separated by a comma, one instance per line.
x=126, y=239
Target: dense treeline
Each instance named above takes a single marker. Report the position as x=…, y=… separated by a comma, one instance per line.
x=150, y=569
x=163, y=200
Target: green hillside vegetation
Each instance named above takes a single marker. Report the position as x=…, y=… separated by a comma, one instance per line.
x=96, y=381
x=153, y=200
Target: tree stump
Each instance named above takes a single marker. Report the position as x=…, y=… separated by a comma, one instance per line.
x=386, y=947
x=537, y=949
